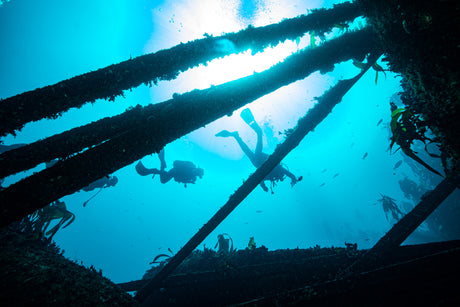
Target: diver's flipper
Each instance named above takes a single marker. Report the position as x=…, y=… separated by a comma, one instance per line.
x=142, y=170
x=247, y=116
x=225, y=133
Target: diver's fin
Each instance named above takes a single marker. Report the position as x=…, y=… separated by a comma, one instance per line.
x=247, y=116
x=142, y=170
x=225, y=133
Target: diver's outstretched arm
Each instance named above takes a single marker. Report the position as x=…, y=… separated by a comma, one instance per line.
x=264, y=187
x=292, y=176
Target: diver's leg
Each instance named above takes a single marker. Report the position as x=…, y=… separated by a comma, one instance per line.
x=143, y=171
x=246, y=149
x=255, y=126
x=165, y=176
x=243, y=146
x=161, y=155
x=293, y=178
x=248, y=118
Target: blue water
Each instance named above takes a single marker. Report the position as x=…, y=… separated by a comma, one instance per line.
x=124, y=227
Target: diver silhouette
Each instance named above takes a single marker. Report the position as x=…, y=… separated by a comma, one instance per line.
x=104, y=182
x=182, y=171
x=258, y=157
x=390, y=207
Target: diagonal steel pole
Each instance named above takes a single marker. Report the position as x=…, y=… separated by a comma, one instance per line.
x=306, y=124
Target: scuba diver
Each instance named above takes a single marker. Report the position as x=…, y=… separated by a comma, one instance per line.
x=223, y=244
x=258, y=157
x=105, y=182
x=411, y=190
x=389, y=206
x=182, y=171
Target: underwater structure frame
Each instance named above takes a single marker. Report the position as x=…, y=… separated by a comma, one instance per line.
x=406, y=33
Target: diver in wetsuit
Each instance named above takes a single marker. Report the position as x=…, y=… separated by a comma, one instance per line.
x=390, y=207
x=258, y=157
x=182, y=171
x=104, y=182
x=101, y=183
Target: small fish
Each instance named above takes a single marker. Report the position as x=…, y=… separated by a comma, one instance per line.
x=398, y=164
x=380, y=121
x=336, y=175
x=352, y=144
x=322, y=184
x=259, y=211
x=323, y=171
x=365, y=155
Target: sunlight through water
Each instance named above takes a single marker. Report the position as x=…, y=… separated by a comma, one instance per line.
x=186, y=21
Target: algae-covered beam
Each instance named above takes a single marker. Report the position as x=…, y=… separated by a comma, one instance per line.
x=111, y=81
x=156, y=125
x=65, y=144
x=306, y=124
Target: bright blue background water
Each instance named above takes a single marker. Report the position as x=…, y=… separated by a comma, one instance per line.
x=123, y=228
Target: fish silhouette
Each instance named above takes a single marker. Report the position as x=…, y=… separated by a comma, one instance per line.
x=398, y=164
